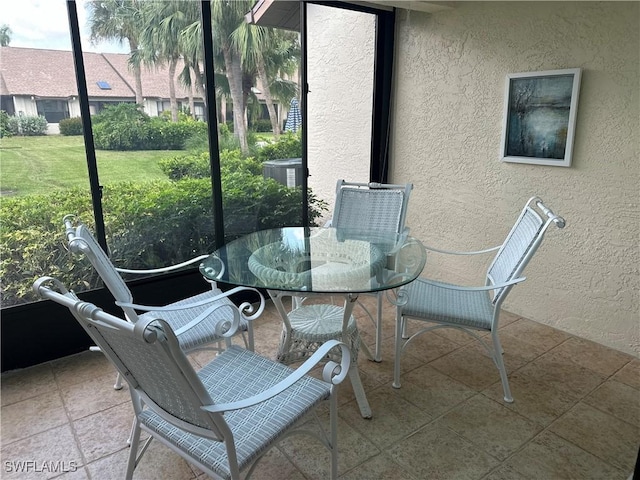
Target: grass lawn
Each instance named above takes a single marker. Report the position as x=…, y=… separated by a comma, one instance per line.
x=31, y=165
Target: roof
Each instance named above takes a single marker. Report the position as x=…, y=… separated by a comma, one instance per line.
x=51, y=74
x=155, y=79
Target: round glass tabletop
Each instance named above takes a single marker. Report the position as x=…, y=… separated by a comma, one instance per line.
x=322, y=260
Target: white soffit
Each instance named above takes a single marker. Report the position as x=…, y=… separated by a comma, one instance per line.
x=286, y=13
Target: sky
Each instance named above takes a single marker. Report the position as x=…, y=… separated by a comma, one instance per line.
x=45, y=24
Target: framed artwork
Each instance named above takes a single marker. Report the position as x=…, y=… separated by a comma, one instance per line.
x=540, y=117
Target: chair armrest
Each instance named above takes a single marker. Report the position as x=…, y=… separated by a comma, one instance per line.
x=245, y=309
x=174, y=308
x=333, y=373
x=448, y=286
x=451, y=252
x=162, y=269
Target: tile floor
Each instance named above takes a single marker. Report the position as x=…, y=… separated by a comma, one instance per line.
x=576, y=414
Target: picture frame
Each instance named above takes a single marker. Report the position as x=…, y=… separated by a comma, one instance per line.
x=540, y=117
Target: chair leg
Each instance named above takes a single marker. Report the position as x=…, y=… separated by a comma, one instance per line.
x=358, y=390
x=333, y=434
x=398, y=348
x=135, y=441
x=498, y=357
x=118, y=384
x=378, y=353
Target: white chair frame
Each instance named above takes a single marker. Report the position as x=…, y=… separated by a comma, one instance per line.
x=503, y=274
x=213, y=307
x=382, y=217
x=261, y=401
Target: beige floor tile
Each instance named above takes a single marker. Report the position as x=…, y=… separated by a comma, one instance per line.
x=105, y=432
x=436, y=452
x=86, y=398
x=547, y=387
x=40, y=456
x=490, y=426
x=19, y=385
x=550, y=457
x=629, y=374
x=470, y=365
x=454, y=335
x=158, y=462
x=593, y=356
x=536, y=334
x=432, y=391
x=429, y=347
x=275, y=465
x=312, y=459
x=31, y=416
x=80, y=473
x=393, y=417
x=81, y=367
x=433, y=427
x=617, y=399
x=377, y=373
x=380, y=467
x=600, y=434
x=507, y=318
x=504, y=472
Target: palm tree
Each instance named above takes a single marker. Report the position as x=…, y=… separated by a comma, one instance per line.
x=5, y=35
x=227, y=16
x=118, y=20
x=268, y=53
x=162, y=37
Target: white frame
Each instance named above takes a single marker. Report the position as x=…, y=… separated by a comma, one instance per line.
x=571, y=124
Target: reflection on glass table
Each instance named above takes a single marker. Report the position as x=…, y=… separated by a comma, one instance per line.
x=301, y=262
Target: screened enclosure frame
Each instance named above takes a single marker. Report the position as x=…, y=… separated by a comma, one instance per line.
x=27, y=329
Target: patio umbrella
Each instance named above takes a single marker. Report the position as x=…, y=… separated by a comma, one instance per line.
x=294, y=118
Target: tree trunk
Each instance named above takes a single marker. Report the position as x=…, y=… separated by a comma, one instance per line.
x=199, y=89
x=173, y=63
x=266, y=91
x=137, y=73
x=234, y=75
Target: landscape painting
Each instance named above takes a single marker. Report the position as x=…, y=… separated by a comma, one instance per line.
x=540, y=112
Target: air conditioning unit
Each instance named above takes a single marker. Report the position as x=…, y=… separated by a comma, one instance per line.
x=287, y=171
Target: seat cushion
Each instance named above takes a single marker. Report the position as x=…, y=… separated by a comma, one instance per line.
x=203, y=332
x=445, y=305
x=233, y=375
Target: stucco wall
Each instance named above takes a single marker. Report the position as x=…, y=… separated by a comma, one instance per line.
x=450, y=81
x=340, y=71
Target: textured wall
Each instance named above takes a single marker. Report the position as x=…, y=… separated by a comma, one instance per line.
x=450, y=80
x=340, y=71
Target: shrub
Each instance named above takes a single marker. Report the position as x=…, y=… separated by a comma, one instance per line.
x=289, y=146
x=121, y=127
x=126, y=127
x=4, y=124
x=186, y=166
x=148, y=225
x=71, y=126
x=167, y=135
x=262, y=125
x=27, y=126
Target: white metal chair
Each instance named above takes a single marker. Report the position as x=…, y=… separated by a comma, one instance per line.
x=223, y=418
x=476, y=309
x=197, y=320
x=370, y=209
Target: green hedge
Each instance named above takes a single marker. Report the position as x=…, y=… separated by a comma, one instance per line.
x=288, y=146
x=71, y=126
x=148, y=225
x=126, y=127
x=27, y=126
x=4, y=124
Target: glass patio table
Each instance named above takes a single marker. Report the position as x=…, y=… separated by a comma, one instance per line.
x=300, y=262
